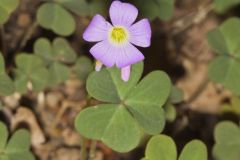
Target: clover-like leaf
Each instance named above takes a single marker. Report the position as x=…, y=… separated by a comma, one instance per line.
x=2, y=63
x=194, y=150
x=4, y=136
x=224, y=39
x=6, y=8
x=150, y=117
x=20, y=141
x=227, y=137
x=84, y=7
x=224, y=68
x=230, y=31
x=145, y=101
x=28, y=62
x=107, y=86
x=79, y=7
x=60, y=50
x=21, y=81
x=83, y=68
x=156, y=8
x=170, y=112
x=17, y=147
x=221, y=6
x=176, y=95
x=6, y=83
x=55, y=17
x=55, y=57
x=154, y=89
x=142, y=101
x=58, y=73
x=217, y=41
x=43, y=48
x=161, y=147
x=30, y=68
x=63, y=51
x=38, y=79
x=226, y=71
x=112, y=124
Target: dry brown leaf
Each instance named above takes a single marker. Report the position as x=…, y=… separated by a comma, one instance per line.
x=25, y=115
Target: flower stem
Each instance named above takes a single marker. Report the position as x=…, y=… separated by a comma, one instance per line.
x=83, y=139
x=83, y=149
x=92, y=150
x=28, y=35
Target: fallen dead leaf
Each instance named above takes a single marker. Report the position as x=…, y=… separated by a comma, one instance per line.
x=25, y=115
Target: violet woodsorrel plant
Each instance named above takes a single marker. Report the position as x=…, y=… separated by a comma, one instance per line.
x=115, y=41
x=131, y=107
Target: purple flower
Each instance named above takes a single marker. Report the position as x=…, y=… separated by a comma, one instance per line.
x=116, y=41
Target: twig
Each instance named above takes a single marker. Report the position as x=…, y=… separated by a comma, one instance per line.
x=28, y=35
x=92, y=150
x=198, y=91
x=191, y=19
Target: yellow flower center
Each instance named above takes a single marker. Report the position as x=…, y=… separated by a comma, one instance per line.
x=118, y=35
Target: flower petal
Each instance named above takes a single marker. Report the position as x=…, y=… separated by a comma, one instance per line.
x=125, y=73
x=127, y=55
x=140, y=33
x=122, y=13
x=97, y=29
x=104, y=52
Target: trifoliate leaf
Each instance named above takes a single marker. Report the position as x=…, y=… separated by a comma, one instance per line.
x=60, y=50
x=55, y=17
x=139, y=102
x=17, y=147
x=224, y=68
x=30, y=69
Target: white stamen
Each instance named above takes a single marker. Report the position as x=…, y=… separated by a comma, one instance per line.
x=125, y=73
x=98, y=66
